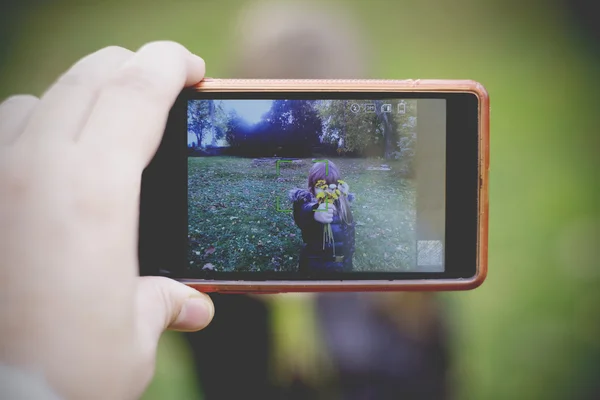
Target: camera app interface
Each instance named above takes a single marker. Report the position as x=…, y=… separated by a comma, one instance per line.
x=312, y=186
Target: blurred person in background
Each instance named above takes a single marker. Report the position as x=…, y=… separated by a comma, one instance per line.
x=532, y=331
x=354, y=346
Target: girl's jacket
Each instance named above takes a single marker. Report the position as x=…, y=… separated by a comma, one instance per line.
x=313, y=257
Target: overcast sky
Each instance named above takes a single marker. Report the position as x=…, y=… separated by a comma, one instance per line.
x=250, y=111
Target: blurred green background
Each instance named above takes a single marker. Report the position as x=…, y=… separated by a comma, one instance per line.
x=532, y=331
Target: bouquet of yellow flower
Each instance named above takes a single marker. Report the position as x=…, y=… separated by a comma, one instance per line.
x=328, y=194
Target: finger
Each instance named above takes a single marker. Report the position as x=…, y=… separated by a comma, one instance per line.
x=65, y=107
x=132, y=109
x=14, y=114
x=167, y=304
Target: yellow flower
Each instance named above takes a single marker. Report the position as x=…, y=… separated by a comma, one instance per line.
x=335, y=196
x=337, y=191
x=320, y=195
x=341, y=182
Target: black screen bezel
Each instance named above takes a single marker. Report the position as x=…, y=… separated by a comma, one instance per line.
x=163, y=204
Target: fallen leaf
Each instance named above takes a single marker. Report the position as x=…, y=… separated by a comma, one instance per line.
x=208, y=267
x=209, y=250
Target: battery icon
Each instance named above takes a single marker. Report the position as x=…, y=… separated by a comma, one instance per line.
x=401, y=108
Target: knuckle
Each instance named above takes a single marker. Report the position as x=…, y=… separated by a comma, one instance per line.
x=141, y=78
x=115, y=51
x=74, y=76
x=90, y=68
x=154, y=69
x=164, y=46
x=137, y=78
x=171, y=305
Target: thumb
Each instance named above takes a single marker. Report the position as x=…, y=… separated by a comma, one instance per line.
x=167, y=304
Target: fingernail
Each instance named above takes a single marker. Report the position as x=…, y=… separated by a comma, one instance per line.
x=196, y=313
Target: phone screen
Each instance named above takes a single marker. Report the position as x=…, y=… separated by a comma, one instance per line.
x=311, y=186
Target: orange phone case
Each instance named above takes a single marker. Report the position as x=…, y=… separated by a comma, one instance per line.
x=358, y=85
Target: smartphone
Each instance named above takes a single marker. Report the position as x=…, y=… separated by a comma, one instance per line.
x=270, y=186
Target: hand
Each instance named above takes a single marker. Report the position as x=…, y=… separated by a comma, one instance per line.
x=72, y=305
x=324, y=213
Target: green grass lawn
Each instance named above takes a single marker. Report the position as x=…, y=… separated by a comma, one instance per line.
x=235, y=224
x=532, y=330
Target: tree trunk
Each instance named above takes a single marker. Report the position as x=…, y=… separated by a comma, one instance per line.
x=345, y=104
x=195, y=125
x=211, y=116
x=388, y=130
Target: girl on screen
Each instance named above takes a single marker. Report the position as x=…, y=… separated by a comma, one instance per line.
x=322, y=212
